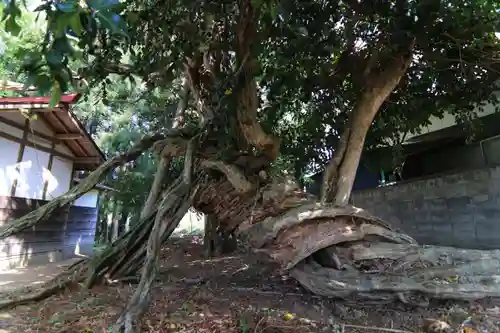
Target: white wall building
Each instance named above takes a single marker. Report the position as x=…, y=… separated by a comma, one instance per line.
x=39, y=156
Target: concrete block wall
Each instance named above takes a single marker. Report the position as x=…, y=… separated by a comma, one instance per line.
x=460, y=209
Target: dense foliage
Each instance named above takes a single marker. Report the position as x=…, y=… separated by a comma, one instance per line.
x=244, y=85
x=311, y=62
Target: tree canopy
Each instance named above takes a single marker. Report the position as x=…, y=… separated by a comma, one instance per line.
x=239, y=87
x=310, y=60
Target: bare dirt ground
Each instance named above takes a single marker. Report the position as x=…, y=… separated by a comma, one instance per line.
x=228, y=294
x=16, y=278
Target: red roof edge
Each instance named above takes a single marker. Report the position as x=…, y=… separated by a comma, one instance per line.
x=69, y=99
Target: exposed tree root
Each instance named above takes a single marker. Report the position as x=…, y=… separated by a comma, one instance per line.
x=155, y=191
x=374, y=261
x=121, y=253
x=369, y=260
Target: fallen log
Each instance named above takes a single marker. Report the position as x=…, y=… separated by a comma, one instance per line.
x=370, y=259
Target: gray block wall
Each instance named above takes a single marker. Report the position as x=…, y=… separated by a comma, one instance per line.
x=459, y=209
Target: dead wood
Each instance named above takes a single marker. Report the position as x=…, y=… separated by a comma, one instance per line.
x=172, y=209
x=372, y=260
x=261, y=233
x=375, y=262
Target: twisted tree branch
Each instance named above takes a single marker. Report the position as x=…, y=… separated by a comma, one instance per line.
x=233, y=174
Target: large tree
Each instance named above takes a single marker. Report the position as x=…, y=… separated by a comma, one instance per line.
x=251, y=72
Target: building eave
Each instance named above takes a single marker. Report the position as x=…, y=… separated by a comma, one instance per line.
x=64, y=123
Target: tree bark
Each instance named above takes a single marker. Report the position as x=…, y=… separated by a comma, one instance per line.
x=247, y=98
x=115, y=220
x=217, y=241
x=274, y=216
x=331, y=170
x=172, y=209
x=109, y=227
x=362, y=117
x=440, y=272
x=154, y=192
x=210, y=237
x=370, y=260
x=341, y=170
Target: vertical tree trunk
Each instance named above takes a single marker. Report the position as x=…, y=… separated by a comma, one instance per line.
x=155, y=191
x=109, y=227
x=101, y=225
x=331, y=169
x=164, y=162
x=217, y=241
x=209, y=239
x=247, y=98
x=362, y=117
x=182, y=105
x=229, y=242
x=341, y=171
x=114, y=220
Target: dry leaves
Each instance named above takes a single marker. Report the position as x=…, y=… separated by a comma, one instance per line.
x=238, y=296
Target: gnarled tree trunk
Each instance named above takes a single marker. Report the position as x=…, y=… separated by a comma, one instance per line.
x=362, y=255
x=372, y=260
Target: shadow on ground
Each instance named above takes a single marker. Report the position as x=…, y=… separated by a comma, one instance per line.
x=222, y=295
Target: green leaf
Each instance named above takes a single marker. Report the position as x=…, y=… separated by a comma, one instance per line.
x=54, y=58
x=30, y=59
x=55, y=96
x=43, y=83
x=12, y=27
x=256, y=3
x=62, y=45
x=273, y=10
x=62, y=22
x=112, y=21
x=68, y=6
x=11, y=11
x=76, y=24
x=103, y=4
x=132, y=17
